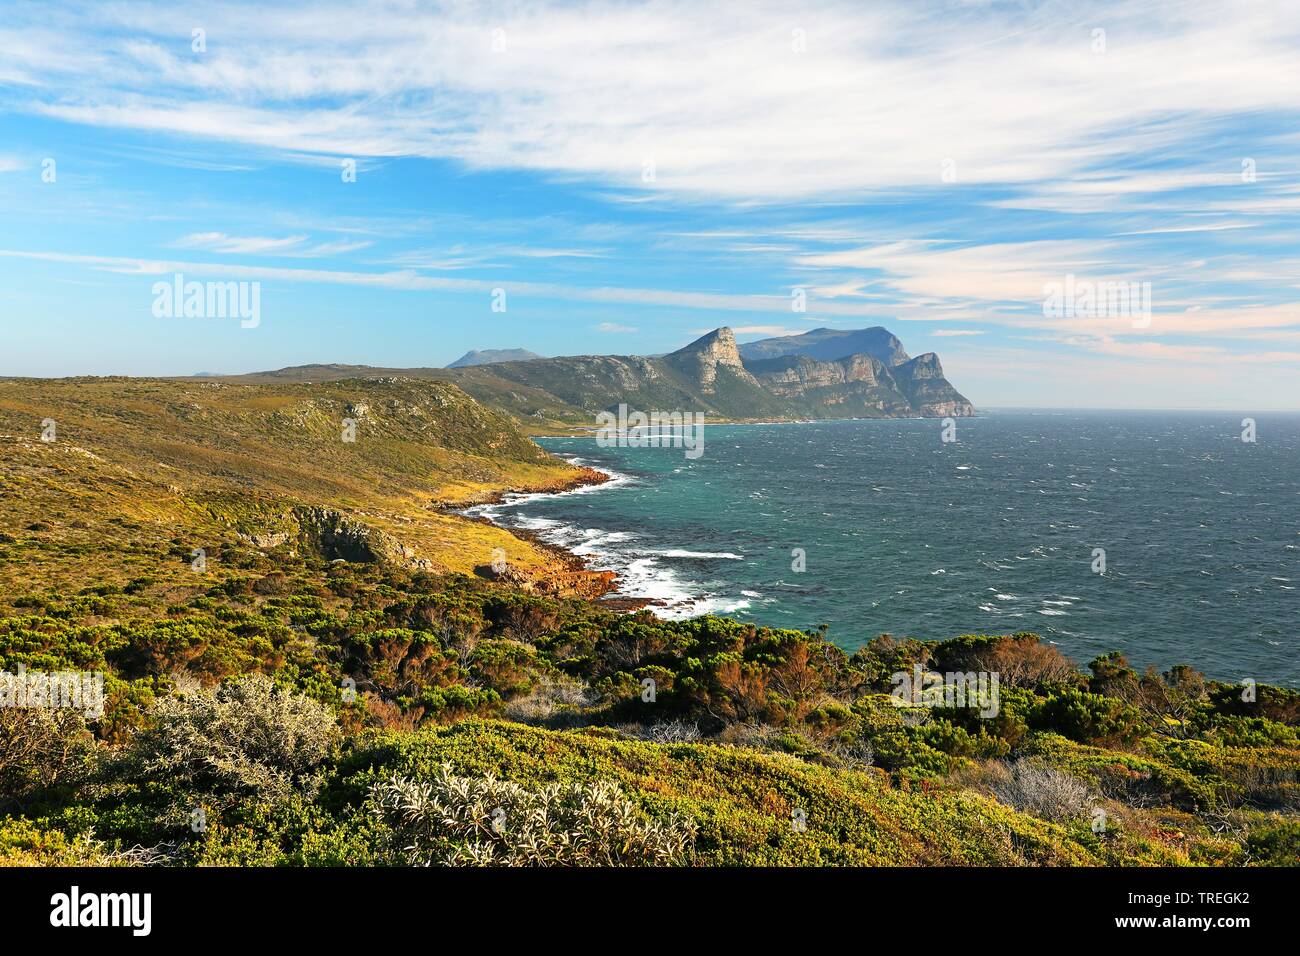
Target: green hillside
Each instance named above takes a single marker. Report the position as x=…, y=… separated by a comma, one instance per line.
x=162, y=467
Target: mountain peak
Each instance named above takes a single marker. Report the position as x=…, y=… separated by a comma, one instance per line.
x=720, y=343
x=927, y=364
x=703, y=357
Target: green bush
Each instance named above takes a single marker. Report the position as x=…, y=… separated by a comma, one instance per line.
x=28, y=843
x=1277, y=844
x=1086, y=717
x=42, y=751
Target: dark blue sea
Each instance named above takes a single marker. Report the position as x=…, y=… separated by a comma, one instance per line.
x=997, y=532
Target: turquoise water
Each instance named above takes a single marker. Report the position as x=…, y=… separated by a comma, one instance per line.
x=995, y=533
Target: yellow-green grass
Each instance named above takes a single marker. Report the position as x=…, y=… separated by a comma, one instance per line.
x=140, y=468
x=743, y=801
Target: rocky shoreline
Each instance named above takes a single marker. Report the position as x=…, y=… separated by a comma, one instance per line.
x=585, y=476
x=572, y=577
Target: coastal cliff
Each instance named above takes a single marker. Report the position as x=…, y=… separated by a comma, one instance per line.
x=825, y=373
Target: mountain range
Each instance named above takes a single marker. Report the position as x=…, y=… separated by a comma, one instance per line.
x=822, y=374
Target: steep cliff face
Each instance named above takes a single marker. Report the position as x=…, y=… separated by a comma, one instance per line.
x=923, y=382
x=701, y=361
x=856, y=386
x=880, y=382
x=793, y=376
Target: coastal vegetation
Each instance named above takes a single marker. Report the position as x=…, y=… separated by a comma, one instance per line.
x=348, y=678
x=317, y=713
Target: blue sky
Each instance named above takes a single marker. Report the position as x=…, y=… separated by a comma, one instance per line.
x=635, y=175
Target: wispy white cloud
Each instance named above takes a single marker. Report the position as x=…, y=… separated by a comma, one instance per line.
x=991, y=272
x=414, y=281
x=237, y=245
x=785, y=100
x=1098, y=335
x=1171, y=230
x=295, y=247
x=540, y=252
x=1108, y=345
x=1009, y=282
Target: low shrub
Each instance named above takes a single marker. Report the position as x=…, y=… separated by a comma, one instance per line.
x=41, y=750
x=1042, y=791
x=246, y=739
x=462, y=821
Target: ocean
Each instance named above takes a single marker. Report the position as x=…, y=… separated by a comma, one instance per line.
x=1160, y=534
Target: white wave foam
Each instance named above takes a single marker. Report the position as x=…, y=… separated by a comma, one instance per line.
x=640, y=575
x=649, y=575
x=515, y=499
x=716, y=606
x=683, y=553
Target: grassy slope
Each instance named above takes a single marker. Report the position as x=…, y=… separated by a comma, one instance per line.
x=162, y=467
x=567, y=391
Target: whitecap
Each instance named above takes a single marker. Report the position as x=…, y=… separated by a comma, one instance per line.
x=715, y=606
x=683, y=553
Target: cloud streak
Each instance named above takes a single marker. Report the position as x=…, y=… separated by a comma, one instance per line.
x=289, y=246
x=788, y=100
